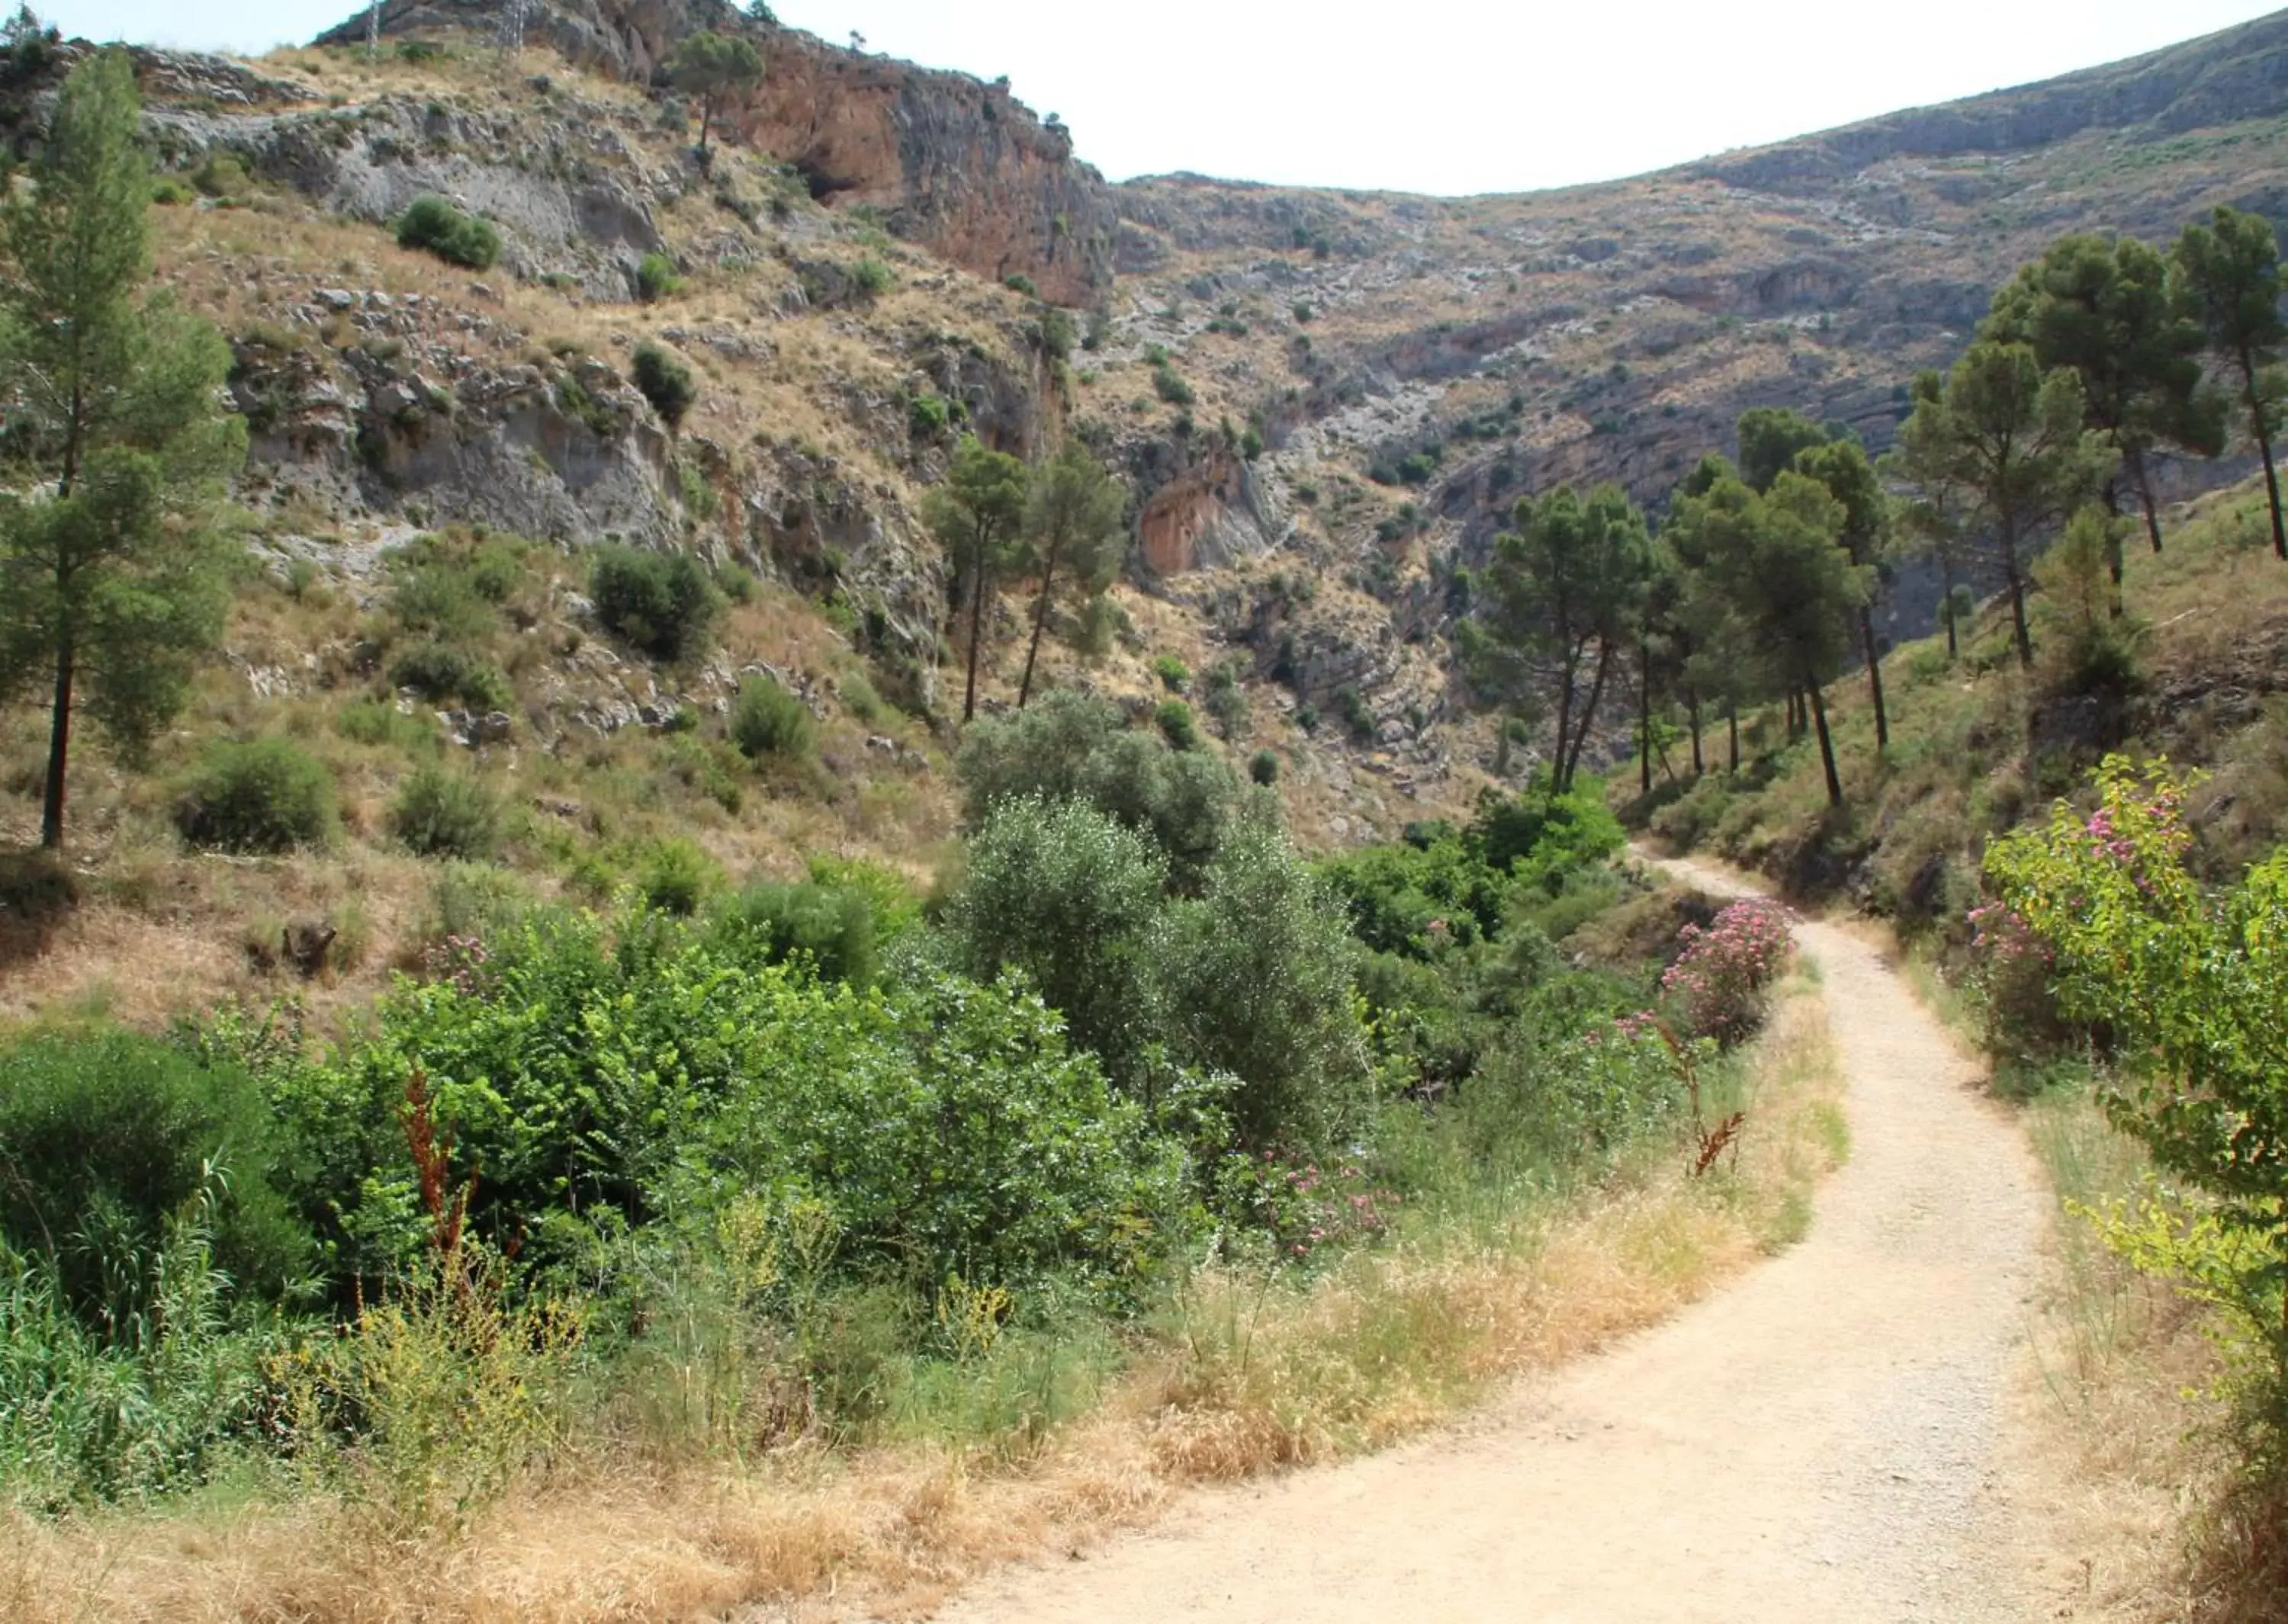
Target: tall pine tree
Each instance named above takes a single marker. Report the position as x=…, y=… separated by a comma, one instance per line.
x=112, y=575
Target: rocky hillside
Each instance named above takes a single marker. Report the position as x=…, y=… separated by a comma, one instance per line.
x=1323, y=401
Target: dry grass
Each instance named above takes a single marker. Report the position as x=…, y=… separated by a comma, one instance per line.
x=1246, y=1376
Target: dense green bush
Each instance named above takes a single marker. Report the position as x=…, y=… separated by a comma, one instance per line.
x=767, y=720
x=444, y=813
x=436, y=225
x=441, y=673
x=263, y=795
x=655, y=278
x=1256, y=979
x=1071, y=748
x=677, y=876
x=831, y=928
x=106, y=1135
x=1173, y=717
x=660, y=602
x=664, y=380
x=1263, y=767
x=1074, y=899
x=601, y=1074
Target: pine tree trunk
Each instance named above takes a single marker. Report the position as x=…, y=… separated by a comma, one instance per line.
x=2264, y=449
x=1644, y=718
x=51, y=810
x=1572, y=764
x=1564, y=722
x=976, y=636
x=1040, y=619
x=2140, y=481
x=1732, y=715
x=1826, y=749
x=1692, y=709
x=1875, y=678
x=2017, y=579
x=1946, y=585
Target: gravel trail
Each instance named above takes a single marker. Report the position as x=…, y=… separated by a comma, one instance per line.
x=1826, y=1440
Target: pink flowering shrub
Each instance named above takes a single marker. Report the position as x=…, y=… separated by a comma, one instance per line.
x=2009, y=982
x=1303, y=1206
x=1717, y=989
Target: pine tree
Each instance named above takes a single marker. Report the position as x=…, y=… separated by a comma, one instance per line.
x=2007, y=438
x=1072, y=522
x=713, y=67
x=112, y=581
x=2228, y=274
x=1775, y=584
x=976, y=513
x=2102, y=307
x=1841, y=467
x=1561, y=595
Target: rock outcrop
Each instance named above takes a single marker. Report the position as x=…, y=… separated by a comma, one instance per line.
x=952, y=164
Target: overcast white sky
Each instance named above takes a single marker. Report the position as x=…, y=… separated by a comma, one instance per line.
x=1443, y=96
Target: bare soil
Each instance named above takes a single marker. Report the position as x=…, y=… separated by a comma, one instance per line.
x=1840, y=1437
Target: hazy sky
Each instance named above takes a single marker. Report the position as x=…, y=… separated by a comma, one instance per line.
x=1443, y=96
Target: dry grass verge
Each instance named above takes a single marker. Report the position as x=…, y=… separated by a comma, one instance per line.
x=1243, y=1374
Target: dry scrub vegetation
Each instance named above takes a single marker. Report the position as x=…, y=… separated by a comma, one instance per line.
x=1244, y=1372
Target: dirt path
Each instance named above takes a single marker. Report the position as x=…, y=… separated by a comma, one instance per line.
x=1824, y=1441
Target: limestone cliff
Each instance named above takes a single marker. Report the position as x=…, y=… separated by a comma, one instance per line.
x=954, y=164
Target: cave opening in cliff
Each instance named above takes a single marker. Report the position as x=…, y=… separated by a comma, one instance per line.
x=822, y=184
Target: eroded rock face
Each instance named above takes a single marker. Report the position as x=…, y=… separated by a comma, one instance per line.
x=954, y=164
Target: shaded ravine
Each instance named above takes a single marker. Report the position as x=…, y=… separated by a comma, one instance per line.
x=1825, y=1440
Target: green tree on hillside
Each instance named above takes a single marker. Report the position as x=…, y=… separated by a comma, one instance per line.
x=2007, y=438
x=1775, y=578
x=1771, y=438
x=2227, y=272
x=714, y=68
x=112, y=580
x=1841, y=467
x=2103, y=306
x=977, y=514
x=1560, y=596
x=1072, y=522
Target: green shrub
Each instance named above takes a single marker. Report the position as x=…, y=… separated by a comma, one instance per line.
x=655, y=278
x=1174, y=675
x=263, y=795
x=377, y=722
x=829, y=927
x=439, y=674
x=767, y=720
x=938, y=1126
x=444, y=813
x=1066, y=895
x=660, y=602
x=104, y=1135
x=1170, y=385
x=168, y=191
x=220, y=174
x=1021, y=283
x=1255, y=977
x=436, y=226
x=664, y=380
x=1071, y=748
x=927, y=416
x=871, y=277
x=1263, y=767
x=1226, y=698
x=677, y=876
x=1173, y=717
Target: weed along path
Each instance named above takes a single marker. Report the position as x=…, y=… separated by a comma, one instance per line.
x=1827, y=1439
